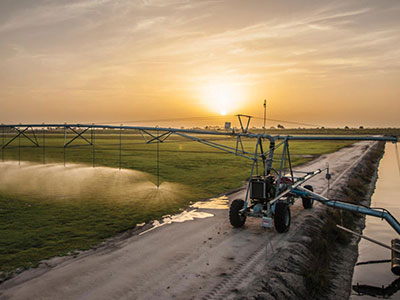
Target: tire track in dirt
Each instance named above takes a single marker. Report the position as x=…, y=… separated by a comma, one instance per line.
x=226, y=287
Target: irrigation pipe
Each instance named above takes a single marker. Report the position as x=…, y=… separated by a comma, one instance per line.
x=367, y=238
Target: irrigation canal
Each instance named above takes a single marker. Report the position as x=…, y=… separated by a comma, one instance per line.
x=375, y=280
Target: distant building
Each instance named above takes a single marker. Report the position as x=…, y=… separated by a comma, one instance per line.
x=228, y=125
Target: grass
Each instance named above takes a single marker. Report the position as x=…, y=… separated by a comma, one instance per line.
x=36, y=224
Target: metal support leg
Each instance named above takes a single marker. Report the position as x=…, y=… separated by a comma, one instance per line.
x=93, y=148
x=120, y=147
x=158, y=161
x=328, y=177
x=44, y=146
x=255, y=160
x=65, y=144
x=2, y=145
x=264, y=159
x=19, y=150
x=290, y=163
x=269, y=161
x=281, y=168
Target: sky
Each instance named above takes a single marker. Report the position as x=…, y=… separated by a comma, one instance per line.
x=328, y=63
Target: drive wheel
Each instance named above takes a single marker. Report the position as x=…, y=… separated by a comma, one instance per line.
x=282, y=217
x=236, y=219
x=308, y=202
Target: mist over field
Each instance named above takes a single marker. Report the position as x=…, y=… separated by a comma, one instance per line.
x=76, y=182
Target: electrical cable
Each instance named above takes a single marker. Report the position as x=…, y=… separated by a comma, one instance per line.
x=205, y=118
x=290, y=122
x=169, y=119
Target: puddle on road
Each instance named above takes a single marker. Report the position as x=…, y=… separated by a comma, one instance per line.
x=182, y=217
x=191, y=215
x=213, y=203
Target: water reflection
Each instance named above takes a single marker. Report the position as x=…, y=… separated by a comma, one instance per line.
x=376, y=291
x=375, y=280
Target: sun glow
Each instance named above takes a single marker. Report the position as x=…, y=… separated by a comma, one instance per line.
x=222, y=97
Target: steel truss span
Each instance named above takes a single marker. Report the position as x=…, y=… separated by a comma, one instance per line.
x=268, y=195
x=161, y=134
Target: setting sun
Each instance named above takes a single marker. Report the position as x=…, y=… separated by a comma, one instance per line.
x=222, y=97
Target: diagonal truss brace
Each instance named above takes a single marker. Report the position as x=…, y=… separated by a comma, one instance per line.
x=156, y=139
x=217, y=146
x=239, y=140
x=22, y=132
x=210, y=143
x=78, y=135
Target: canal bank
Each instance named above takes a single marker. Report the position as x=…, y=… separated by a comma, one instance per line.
x=372, y=278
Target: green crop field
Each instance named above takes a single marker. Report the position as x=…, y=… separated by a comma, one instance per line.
x=48, y=210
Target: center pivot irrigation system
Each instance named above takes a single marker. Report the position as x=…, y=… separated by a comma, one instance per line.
x=269, y=195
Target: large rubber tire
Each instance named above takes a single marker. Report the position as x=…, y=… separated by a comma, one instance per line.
x=307, y=202
x=282, y=217
x=236, y=219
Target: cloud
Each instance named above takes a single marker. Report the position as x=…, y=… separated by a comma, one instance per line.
x=50, y=13
x=141, y=48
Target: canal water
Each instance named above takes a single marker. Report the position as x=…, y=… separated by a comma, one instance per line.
x=376, y=280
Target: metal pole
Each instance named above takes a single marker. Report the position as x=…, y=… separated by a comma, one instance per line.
x=65, y=142
x=120, y=147
x=93, y=147
x=270, y=158
x=281, y=168
x=263, y=158
x=158, y=161
x=265, y=113
x=19, y=149
x=2, y=145
x=44, y=146
x=255, y=159
x=368, y=238
x=328, y=176
x=290, y=162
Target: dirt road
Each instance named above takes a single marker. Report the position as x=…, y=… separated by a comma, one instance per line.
x=204, y=258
